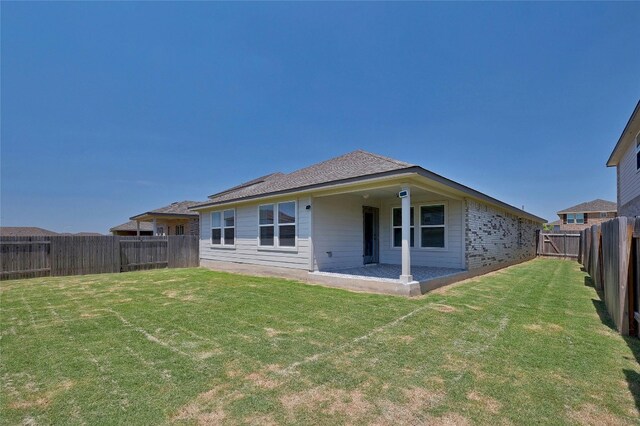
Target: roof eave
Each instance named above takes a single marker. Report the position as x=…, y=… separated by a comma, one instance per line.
x=413, y=170
x=391, y=173
x=614, y=158
x=156, y=215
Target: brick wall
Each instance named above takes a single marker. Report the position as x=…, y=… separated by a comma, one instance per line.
x=494, y=236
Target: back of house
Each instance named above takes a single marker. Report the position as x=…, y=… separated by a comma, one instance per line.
x=363, y=209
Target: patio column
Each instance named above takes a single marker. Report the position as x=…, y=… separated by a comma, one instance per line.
x=406, y=236
x=137, y=228
x=155, y=227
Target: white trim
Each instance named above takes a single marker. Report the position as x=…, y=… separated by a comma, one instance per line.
x=276, y=227
x=445, y=225
x=222, y=228
x=272, y=224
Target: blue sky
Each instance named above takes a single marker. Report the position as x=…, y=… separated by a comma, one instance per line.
x=112, y=109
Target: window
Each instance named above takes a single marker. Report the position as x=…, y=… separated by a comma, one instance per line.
x=432, y=226
x=603, y=215
x=580, y=218
x=266, y=224
x=577, y=218
x=159, y=230
x=396, y=227
x=287, y=224
x=179, y=229
x=277, y=223
x=571, y=218
x=223, y=227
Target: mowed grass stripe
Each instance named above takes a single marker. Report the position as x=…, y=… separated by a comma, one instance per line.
x=523, y=345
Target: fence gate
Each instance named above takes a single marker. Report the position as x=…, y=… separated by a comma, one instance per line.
x=559, y=245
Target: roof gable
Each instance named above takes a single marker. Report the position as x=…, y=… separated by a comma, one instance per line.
x=597, y=205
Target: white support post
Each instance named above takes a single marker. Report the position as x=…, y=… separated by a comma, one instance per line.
x=406, y=276
x=137, y=228
x=155, y=227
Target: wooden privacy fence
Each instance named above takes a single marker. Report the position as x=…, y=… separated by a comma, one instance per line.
x=610, y=253
x=559, y=245
x=28, y=257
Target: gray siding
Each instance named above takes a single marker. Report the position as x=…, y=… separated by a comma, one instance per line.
x=629, y=179
x=338, y=229
x=449, y=257
x=246, y=249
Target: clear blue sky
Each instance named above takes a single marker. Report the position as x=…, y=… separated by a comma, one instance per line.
x=112, y=109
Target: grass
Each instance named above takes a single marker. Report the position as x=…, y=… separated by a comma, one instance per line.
x=529, y=344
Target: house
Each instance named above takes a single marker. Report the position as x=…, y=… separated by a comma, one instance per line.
x=174, y=219
x=133, y=228
x=626, y=158
x=328, y=222
x=583, y=215
x=25, y=231
x=553, y=226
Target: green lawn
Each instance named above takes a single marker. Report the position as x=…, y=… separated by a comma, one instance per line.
x=527, y=345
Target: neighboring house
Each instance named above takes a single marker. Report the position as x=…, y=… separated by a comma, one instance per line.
x=553, y=226
x=25, y=231
x=174, y=219
x=584, y=215
x=626, y=158
x=359, y=209
x=131, y=229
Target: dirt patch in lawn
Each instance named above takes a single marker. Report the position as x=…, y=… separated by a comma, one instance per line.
x=42, y=400
x=490, y=404
x=272, y=332
x=205, y=408
x=327, y=400
x=443, y=308
x=590, y=415
x=262, y=381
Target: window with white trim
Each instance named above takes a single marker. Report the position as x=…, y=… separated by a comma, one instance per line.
x=287, y=224
x=432, y=226
x=396, y=227
x=277, y=223
x=266, y=222
x=223, y=227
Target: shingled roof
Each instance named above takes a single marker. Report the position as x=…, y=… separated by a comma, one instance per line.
x=25, y=231
x=179, y=208
x=352, y=165
x=131, y=226
x=597, y=205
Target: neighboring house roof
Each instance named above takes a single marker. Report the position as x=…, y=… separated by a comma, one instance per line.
x=555, y=223
x=131, y=226
x=177, y=209
x=354, y=166
x=624, y=141
x=592, y=207
x=83, y=234
x=25, y=231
